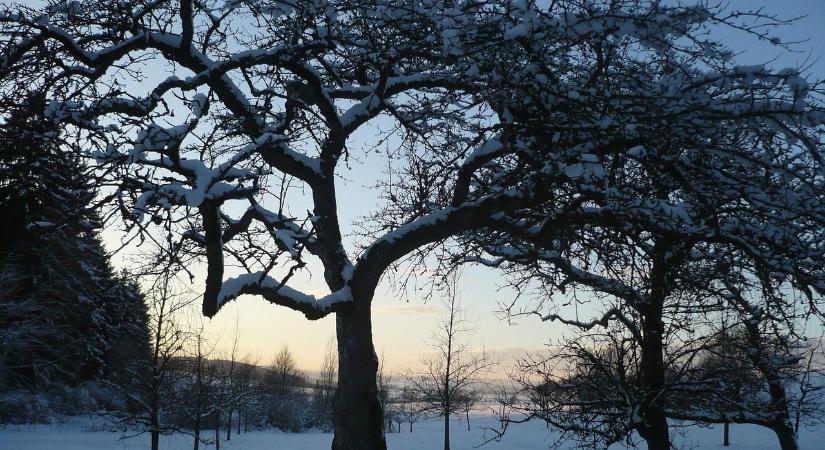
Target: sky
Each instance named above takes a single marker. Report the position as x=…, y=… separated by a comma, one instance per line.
x=403, y=326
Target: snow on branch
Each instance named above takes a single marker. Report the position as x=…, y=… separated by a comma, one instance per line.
x=277, y=292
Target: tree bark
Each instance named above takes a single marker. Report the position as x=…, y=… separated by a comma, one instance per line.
x=218, y=429
x=197, y=433
x=785, y=433
x=782, y=424
x=446, y=432
x=155, y=424
x=726, y=432
x=654, y=429
x=229, y=425
x=155, y=440
x=358, y=419
x=468, y=419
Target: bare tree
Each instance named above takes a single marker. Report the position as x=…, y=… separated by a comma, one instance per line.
x=273, y=91
x=384, y=393
x=453, y=368
x=591, y=386
x=198, y=406
x=588, y=386
x=231, y=381
x=760, y=362
x=809, y=405
x=465, y=401
x=283, y=372
x=286, y=406
x=326, y=384
x=246, y=390
x=153, y=388
x=409, y=407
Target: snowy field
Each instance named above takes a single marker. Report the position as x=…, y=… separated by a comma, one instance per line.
x=426, y=435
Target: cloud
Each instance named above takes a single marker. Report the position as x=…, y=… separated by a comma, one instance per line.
x=406, y=309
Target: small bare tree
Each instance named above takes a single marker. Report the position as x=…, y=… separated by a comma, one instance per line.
x=384, y=381
x=246, y=390
x=809, y=404
x=283, y=371
x=286, y=407
x=326, y=385
x=409, y=407
x=453, y=368
x=198, y=405
x=152, y=391
x=465, y=401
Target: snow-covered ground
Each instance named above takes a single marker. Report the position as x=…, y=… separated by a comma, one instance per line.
x=426, y=435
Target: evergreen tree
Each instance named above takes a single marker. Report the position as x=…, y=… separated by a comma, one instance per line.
x=64, y=313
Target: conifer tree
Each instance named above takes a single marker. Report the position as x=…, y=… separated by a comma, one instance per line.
x=63, y=310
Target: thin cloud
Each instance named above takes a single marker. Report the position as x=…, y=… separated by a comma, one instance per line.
x=406, y=309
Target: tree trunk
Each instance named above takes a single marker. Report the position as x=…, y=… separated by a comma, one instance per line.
x=785, y=433
x=779, y=400
x=782, y=425
x=238, y=431
x=468, y=419
x=446, y=432
x=218, y=430
x=726, y=438
x=654, y=429
x=155, y=424
x=229, y=425
x=358, y=419
x=197, y=431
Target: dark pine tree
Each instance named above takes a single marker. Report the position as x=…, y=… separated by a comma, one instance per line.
x=65, y=316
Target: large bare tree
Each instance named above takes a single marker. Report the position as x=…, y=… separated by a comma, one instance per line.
x=261, y=98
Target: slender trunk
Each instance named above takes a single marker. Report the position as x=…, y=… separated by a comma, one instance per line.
x=245, y=422
x=358, y=419
x=726, y=438
x=446, y=432
x=447, y=400
x=468, y=419
x=197, y=432
x=229, y=425
x=238, y=431
x=198, y=397
x=411, y=426
x=155, y=425
x=218, y=430
x=197, y=425
x=797, y=417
